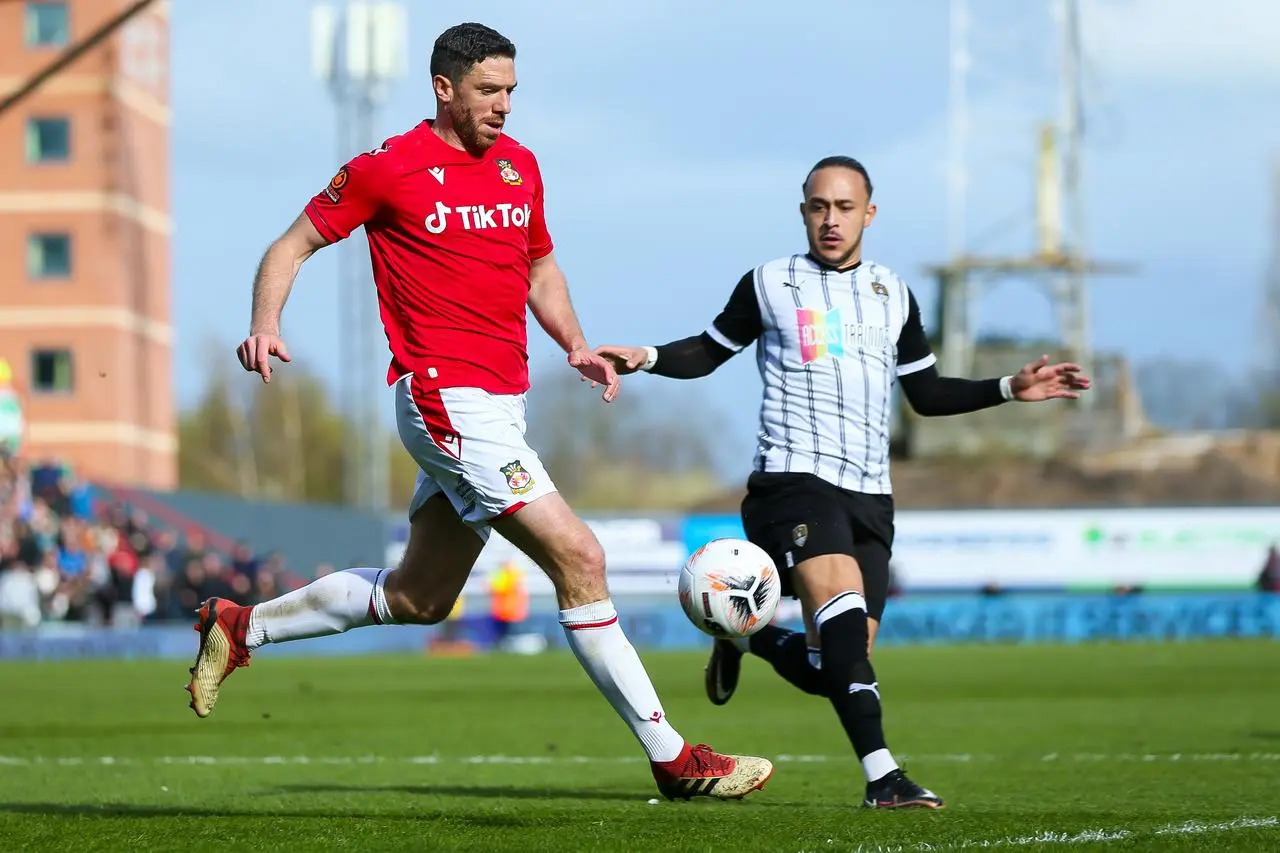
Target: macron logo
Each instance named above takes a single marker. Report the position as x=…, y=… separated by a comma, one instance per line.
x=437, y=172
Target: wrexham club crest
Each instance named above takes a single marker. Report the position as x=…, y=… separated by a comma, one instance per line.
x=519, y=480
x=509, y=174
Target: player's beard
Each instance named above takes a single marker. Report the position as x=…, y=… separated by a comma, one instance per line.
x=854, y=249
x=467, y=127
x=843, y=259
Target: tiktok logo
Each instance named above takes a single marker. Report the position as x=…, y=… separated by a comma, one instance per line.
x=478, y=217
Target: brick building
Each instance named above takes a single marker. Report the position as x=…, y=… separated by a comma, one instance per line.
x=85, y=239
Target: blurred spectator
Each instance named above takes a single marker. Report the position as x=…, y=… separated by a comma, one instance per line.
x=189, y=588
x=142, y=592
x=1269, y=579
x=266, y=588
x=19, y=598
x=509, y=601
x=244, y=562
x=63, y=558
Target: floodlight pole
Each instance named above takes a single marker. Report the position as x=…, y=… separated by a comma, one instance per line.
x=357, y=49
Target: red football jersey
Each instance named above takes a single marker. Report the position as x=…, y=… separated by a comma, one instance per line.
x=451, y=238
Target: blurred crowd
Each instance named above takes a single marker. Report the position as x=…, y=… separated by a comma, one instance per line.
x=65, y=557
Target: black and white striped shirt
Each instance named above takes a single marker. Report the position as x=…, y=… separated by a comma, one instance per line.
x=829, y=346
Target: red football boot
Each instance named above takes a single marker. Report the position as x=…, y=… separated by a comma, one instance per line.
x=222, y=627
x=699, y=772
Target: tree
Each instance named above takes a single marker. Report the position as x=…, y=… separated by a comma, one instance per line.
x=282, y=441
x=651, y=448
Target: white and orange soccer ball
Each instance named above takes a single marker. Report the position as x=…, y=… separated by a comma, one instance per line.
x=729, y=588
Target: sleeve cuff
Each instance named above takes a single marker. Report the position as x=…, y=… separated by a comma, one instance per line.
x=651, y=358
x=1006, y=387
x=321, y=225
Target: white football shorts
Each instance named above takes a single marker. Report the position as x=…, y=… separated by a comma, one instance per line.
x=470, y=446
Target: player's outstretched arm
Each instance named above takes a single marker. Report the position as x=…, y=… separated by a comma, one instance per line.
x=276, y=273
x=738, y=324
x=932, y=395
x=687, y=358
x=551, y=306
x=549, y=300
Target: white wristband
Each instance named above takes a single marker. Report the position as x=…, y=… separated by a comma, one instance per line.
x=651, y=358
x=1006, y=387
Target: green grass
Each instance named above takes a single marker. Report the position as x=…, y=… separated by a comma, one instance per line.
x=1047, y=742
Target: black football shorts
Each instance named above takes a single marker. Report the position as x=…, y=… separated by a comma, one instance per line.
x=794, y=517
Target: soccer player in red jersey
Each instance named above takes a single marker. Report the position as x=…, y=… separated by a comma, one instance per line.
x=453, y=212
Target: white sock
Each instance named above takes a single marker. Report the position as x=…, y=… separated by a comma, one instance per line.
x=878, y=764
x=329, y=605
x=604, y=652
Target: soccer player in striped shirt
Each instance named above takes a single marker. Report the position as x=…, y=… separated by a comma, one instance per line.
x=833, y=332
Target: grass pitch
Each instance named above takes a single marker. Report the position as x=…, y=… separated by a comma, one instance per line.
x=1108, y=747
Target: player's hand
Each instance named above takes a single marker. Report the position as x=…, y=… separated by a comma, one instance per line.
x=256, y=351
x=1040, y=380
x=625, y=360
x=597, y=370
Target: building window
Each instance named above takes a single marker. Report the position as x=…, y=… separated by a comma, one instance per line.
x=51, y=371
x=49, y=255
x=48, y=140
x=47, y=24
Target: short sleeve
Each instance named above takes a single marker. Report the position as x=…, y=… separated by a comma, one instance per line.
x=540, y=243
x=739, y=323
x=352, y=198
x=914, y=352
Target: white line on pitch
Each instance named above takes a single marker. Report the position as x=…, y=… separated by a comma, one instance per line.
x=962, y=758
x=1086, y=836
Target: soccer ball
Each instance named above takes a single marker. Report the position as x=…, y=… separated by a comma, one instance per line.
x=729, y=588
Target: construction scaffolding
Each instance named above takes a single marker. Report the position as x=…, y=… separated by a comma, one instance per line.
x=1059, y=262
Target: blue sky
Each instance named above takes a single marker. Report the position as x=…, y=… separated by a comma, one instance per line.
x=673, y=137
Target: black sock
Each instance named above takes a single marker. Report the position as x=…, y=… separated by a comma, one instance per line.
x=850, y=681
x=787, y=653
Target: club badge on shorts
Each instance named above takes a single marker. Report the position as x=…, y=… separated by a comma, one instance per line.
x=800, y=535
x=509, y=174
x=519, y=480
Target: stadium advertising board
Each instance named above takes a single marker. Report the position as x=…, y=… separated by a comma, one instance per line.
x=1085, y=549
x=930, y=619
x=644, y=556
x=1219, y=548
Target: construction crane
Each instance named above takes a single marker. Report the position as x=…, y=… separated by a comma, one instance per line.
x=1059, y=255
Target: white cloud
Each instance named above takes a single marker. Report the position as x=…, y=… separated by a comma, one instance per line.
x=1185, y=41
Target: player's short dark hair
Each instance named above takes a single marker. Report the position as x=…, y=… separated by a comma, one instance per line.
x=838, y=161
x=463, y=46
